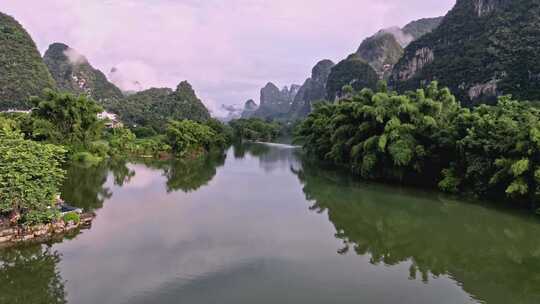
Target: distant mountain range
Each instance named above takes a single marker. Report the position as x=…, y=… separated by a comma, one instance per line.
x=481, y=49
x=373, y=61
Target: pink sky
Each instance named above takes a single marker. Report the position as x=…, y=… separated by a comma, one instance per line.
x=227, y=49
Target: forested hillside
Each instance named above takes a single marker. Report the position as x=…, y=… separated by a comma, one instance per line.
x=154, y=107
x=22, y=71
x=481, y=50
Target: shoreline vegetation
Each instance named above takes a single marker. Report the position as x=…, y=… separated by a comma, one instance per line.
x=35, y=148
x=423, y=138
x=426, y=138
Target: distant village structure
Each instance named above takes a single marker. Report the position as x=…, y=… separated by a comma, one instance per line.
x=111, y=120
x=17, y=111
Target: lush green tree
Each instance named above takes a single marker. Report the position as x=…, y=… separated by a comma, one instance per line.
x=188, y=136
x=66, y=119
x=382, y=135
x=427, y=138
x=143, y=132
x=121, y=141
x=224, y=133
x=498, y=152
x=255, y=129
x=30, y=176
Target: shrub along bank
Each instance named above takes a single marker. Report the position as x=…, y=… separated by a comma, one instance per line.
x=426, y=138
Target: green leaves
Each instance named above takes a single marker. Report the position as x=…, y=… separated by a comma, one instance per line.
x=426, y=137
x=519, y=186
x=520, y=167
x=66, y=119
x=386, y=130
x=450, y=181
x=187, y=136
x=257, y=129
x=30, y=175
x=402, y=152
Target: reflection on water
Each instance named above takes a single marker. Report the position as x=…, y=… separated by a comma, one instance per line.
x=189, y=175
x=494, y=255
x=260, y=226
x=30, y=275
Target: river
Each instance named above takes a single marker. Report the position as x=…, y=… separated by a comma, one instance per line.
x=258, y=225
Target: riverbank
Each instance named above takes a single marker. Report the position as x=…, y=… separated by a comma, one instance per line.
x=12, y=235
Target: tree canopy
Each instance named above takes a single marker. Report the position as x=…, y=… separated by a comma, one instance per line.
x=426, y=138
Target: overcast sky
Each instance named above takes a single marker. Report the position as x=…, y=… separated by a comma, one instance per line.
x=227, y=49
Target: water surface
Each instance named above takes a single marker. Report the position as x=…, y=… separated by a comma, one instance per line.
x=257, y=225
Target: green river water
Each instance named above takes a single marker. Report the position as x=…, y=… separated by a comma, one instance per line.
x=257, y=225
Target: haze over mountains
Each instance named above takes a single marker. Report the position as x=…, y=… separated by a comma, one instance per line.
x=481, y=49
x=374, y=60
x=227, y=50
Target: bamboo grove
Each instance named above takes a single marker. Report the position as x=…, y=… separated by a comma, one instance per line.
x=427, y=138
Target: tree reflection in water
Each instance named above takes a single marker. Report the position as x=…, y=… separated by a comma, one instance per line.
x=30, y=274
x=494, y=255
x=84, y=187
x=188, y=175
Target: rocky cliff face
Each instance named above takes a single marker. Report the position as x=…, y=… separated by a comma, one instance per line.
x=484, y=7
x=384, y=49
x=313, y=89
x=482, y=49
x=421, y=58
x=381, y=51
x=276, y=103
x=374, y=60
x=73, y=73
x=22, y=71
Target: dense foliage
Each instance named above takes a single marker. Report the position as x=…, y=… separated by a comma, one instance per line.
x=30, y=175
x=190, y=137
x=66, y=119
x=153, y=108
x=33, y=146
x=427, y=138
x=255, y=129
x=22, y=72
